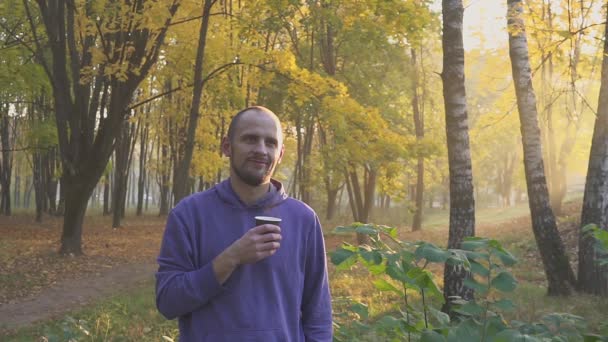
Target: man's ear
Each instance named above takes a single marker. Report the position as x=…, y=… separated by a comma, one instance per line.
x=226, y=146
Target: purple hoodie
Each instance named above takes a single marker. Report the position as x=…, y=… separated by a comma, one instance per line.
x=284, y=297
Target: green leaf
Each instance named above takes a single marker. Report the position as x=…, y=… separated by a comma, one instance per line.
x=503, y=304
x=383, y=285
x=442, y=317
x=477, y=287
x=470, y=309
x=431, y=336
x=360, y=309
x=506, y=258
x=372, y=257
x=426, y=282
x=388, y=322
x=509, y=335
x=476, y=255
x=432, y=253
x=367, y=230
x=474, y=243
x=344, y=230
x=466, y=330
x=395, y=272
x=504, y=282
x=479, y=269
x=341, y=255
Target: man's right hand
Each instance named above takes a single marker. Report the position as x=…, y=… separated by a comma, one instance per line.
x=258, y=243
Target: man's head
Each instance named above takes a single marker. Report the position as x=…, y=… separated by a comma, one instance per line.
x=254, y=145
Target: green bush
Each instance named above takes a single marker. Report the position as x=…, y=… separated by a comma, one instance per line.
x=402, y=268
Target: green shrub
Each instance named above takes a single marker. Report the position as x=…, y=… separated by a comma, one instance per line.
x=403, y=268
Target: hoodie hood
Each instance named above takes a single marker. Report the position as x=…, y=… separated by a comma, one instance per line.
x=272, y=198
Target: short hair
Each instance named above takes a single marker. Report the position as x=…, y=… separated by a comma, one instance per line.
x=237, y=117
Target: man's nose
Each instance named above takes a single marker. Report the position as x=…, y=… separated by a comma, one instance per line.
x=260, y=147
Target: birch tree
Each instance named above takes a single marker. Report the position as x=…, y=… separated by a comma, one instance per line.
x=560, y=276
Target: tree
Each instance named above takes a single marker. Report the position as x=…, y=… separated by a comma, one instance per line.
x=181, y=176
x=93, y=46
x=462, y=201
x=592, y=277
x=560, y=276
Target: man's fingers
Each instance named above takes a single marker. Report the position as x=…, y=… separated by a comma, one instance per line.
x=266, y=228
x=270, y=237
x=269, y=246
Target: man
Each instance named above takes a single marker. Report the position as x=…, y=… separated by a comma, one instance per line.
x=230, y=280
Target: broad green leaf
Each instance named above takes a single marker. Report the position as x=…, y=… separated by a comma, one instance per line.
x=341, y=255
x=383, y=285
x=360, y=309
x=479, y=269
x=504, y=304
x=426, y=282
x=431, y=336
x=504, y=282
x=388, y=322
x=509, y=335
x=474, y=243
x=477, y=255
x=395, y=272
x=367, y=230
x=470, y=309
x=442, y=317
x=477, y=287
x=432, y=253
x=466, y=330
x=372, y=257
x=344, y=230
x=506, y=258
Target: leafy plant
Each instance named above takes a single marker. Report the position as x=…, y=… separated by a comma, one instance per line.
x=402, y=268
x=601, y=242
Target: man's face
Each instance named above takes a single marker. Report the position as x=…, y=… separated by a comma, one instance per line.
x=255, y=148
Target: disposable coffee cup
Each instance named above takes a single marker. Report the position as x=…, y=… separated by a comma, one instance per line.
x=260, y=220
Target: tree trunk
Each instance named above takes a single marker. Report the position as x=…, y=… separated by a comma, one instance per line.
x=77, y=192
x=419, y=126
x=592, y=278
x=559, y=274
x=119, y=191
x=462, y=201
x=141, y=181
x=7, y=164
x=180, y=178
x=37, y=175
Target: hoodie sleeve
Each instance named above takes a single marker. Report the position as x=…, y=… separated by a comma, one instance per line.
x=316, y=301
x=181, y=287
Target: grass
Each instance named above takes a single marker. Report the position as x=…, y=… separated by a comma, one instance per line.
x=130, y=316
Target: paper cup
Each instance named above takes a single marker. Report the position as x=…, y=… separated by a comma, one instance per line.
x=260, y=220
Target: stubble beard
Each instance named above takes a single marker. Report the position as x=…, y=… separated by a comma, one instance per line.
x=250, y=178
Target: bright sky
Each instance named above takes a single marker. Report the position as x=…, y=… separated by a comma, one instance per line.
x=483, y=17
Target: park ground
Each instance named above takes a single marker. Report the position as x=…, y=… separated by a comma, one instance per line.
x=109, y=291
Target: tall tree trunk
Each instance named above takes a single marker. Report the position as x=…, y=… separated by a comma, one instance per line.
x=37, y=175
x=180, y=178
x=141, y=180
x=419, y=126
x=106, y=194
x=7, y=164
x=593, y=278
x=559, y=274
x=462, y=201
x=119, y=192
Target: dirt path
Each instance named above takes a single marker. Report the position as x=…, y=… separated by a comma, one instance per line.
x=71, y=294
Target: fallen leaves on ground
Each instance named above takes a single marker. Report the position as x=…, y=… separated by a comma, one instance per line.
x=30, y=262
